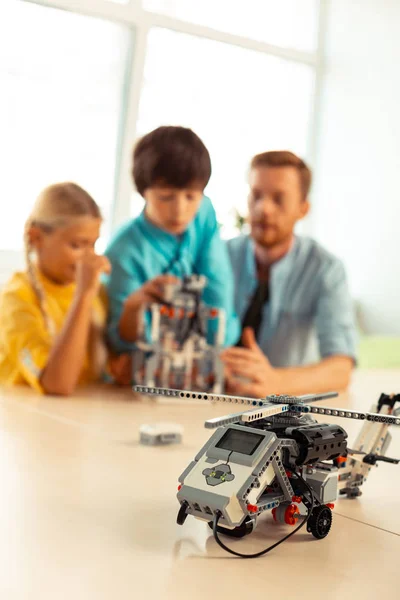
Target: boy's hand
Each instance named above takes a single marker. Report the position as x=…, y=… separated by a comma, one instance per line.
x=130, y=324
x=88, y=272
x=151, y=291
x=121, y=368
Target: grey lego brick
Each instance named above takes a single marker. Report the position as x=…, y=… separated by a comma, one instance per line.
x=212, y=440
x=181, y=478
x=204, y=500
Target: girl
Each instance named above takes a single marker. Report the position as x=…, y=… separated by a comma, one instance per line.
x=52, y=316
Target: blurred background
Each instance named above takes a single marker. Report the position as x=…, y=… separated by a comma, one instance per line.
x=81, y=80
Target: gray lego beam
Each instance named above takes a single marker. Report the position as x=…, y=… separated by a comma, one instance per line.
x=263, y=412
x=234, y=399
x=316, y=397
x=155, y=391
x=222, y=421
x=351, y=414
x=378, y=418
x=158, y=391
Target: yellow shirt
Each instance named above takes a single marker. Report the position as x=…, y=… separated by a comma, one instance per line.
x=25, y=342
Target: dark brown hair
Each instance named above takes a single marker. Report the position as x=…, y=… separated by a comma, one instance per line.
x=172, y=156
x=284, y=158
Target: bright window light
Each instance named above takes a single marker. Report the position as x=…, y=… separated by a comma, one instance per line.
x=240, y=102
x=287, y=23
x=61, y=81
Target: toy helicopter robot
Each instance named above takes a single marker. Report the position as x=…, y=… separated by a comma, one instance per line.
x=178, y=354
x=276, y=456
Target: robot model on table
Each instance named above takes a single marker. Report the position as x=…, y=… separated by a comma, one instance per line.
x=276, y=456
x=178, y=354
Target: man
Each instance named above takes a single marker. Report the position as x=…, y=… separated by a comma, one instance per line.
x=291, y=294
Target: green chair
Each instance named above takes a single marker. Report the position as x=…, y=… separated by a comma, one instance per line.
x=375, y=351
x=378, y=352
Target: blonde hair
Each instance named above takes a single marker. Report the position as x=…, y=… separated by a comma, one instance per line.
x=56, y=206
x=59, y=205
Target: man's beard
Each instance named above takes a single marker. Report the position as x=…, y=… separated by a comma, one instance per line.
x=268, y=238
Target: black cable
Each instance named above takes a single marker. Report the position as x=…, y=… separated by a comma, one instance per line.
x=262, y=552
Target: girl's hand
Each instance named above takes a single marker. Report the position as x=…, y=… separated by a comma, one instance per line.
x=151, y=291
x=88, y=272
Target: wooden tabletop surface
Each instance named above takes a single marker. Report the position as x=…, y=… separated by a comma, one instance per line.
x=89, y=513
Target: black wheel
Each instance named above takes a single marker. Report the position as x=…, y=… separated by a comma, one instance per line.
x=182, y=514
x=320, y=522
x=351, y=492
x=238, y=532
x=354, y=493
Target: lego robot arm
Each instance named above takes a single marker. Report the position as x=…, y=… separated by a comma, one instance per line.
x=371, y=458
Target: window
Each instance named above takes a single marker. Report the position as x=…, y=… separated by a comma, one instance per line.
x=60, y=107
x=81, y=83
x=287, y=23
x=240, y=102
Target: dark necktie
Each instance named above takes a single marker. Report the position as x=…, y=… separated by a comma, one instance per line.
x=253, y=315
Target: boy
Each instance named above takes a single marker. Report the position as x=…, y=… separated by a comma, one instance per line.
x=175, y=235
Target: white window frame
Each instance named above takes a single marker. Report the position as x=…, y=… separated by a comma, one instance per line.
x=134, y=16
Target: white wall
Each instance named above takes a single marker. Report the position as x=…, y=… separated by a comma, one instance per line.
x=356, y=211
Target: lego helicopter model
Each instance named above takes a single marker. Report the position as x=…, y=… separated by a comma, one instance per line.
x=178, y=353
x=276, y=456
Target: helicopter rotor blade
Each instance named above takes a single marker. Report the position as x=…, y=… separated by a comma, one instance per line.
x=222, y=421
x=261, y=412
x=157, y=391
x=316, y=397
x=351, y=414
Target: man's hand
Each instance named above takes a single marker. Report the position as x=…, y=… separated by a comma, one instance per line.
x=250, y=363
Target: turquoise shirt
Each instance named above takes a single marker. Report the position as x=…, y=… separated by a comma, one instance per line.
x=310, y=312
x=140, y=251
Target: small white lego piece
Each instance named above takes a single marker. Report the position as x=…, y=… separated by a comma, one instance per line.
x=157, y=434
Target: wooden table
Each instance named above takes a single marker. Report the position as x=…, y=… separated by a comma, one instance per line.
x=88, y=513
